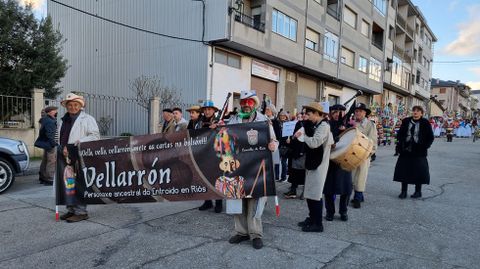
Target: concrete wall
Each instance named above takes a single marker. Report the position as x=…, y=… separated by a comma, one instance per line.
x=26, y=135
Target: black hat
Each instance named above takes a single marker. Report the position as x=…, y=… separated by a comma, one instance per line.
x=168, y=110
x=362, y=106
x=338, y=107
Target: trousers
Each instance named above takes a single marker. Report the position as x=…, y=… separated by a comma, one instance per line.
x=47, y=167
x=246, y=223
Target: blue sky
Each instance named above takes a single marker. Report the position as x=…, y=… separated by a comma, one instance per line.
x=455, y=23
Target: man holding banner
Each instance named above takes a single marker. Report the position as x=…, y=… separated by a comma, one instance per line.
x=248, y=211
x=76, y=127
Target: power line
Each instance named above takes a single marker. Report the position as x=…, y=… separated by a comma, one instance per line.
x=457, y=62
x=126, y=25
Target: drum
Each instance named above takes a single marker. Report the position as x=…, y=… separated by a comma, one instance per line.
x=352, y=149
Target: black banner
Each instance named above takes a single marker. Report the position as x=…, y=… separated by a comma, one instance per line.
x=230, y=162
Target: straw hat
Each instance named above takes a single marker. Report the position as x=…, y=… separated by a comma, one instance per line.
x=194, y=108
x=315, y=106
x=71, y=97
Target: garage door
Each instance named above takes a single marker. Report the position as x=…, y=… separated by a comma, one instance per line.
x=263, y=86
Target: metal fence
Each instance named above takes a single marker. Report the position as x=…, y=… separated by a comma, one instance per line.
x=115, y=115
x=15, y=112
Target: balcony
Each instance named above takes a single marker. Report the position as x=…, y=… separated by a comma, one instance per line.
x=254, y=22
x=401, y=21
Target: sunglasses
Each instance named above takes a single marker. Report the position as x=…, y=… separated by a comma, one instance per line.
x=247, y=102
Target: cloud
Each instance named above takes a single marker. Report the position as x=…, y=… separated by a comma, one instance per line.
x=475, y=70
x=39, y=7
x=468, y=40
x=453, y=5
x=475, y=85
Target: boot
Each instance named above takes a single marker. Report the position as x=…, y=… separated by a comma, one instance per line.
x=418, y=191
x=218, y=206
x=206, y=205
x=403, y=193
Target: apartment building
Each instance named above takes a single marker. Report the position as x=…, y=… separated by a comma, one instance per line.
x=409, y=57
x=454, y=96
x=294, y=51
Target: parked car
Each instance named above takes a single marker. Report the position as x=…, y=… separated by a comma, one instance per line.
x=14, y=159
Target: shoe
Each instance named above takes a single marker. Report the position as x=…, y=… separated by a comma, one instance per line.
x=257, y=243
x=344, y=217
x=316, y=228
x=218, y=207
x=308, y=221
x=48, y=183
x=290, y=194
x=355, y=203
x=416, y=195
x=206, y=205
x=396, y=154
x=329, y=217
x=41, y=181
x=403, y=195
x=66, y=215
x=301, y=196
x=236, y=239
x=77, y=218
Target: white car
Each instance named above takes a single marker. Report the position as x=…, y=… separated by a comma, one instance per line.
x=14, y=159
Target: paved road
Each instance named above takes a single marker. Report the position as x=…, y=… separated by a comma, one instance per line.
x=441, y=230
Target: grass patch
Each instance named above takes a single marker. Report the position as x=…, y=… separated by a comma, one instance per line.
x=35, y=158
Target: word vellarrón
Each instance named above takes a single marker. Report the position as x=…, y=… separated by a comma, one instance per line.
x=124, y=178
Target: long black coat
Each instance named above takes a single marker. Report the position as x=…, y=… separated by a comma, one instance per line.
x=338, y=181
x=297, y=149
x=412, y=166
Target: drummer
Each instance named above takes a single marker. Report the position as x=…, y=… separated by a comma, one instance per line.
x=338, y=180
x=359, y=174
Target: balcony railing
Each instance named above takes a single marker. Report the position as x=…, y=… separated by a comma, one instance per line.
x=332, y=11
x=249, y=21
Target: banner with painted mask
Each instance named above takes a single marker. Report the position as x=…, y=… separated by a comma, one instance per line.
x=230, y=162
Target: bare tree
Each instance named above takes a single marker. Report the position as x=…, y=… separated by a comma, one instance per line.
x=146, y=88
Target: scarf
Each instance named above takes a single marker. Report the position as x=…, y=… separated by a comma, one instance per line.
x=413, y=129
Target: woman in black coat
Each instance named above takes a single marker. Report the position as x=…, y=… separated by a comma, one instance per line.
x=414, y=139
x=296, y=159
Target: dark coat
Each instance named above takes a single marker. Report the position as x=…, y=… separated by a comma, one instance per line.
x=412, y=165
x=338, y=181
x=297, y=150
x=46, y=137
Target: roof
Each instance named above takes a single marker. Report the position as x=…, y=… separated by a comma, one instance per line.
x=447, y=83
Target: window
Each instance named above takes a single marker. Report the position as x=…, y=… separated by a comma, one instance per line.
x=348, y=57
x=362, y=64
x=333, y=9
x=443, y=90
x=284, y=25
x=418, y=77
x=381, y=6
x=291, y=76
x=375, y=69
x=330, y=47
x=227, y=58
x=365, y=28
x=312, y=39
x=333, y=99
x=397, y=70
x=377, y=36
x=350, y=17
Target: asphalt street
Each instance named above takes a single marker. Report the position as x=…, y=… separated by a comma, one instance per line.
x=440, y=230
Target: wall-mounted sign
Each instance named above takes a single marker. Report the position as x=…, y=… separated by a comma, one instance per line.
x=265, y=71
